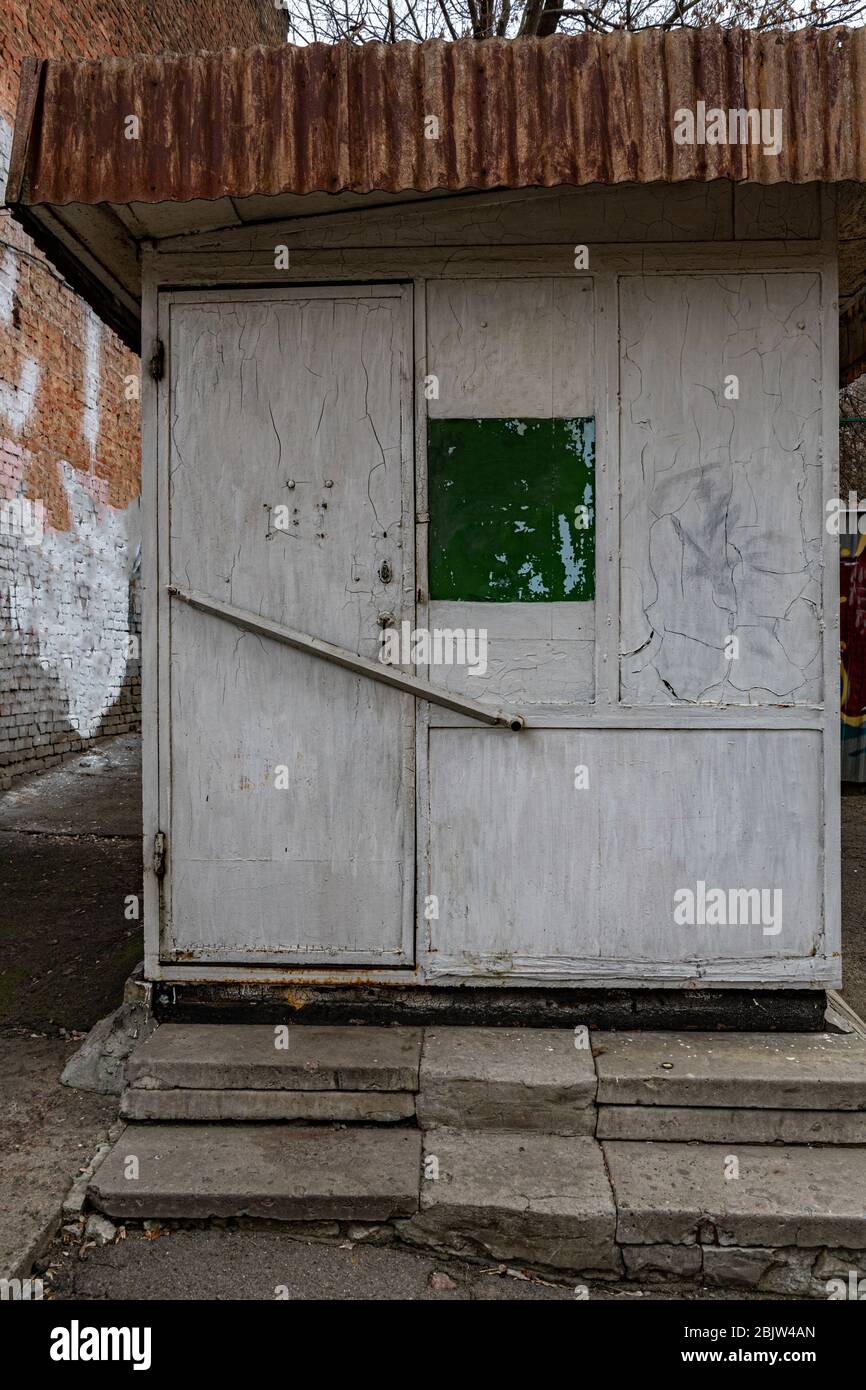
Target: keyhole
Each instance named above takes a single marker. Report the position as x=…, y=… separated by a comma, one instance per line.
x=385, y=572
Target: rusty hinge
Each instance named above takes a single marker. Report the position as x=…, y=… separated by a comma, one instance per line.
x=156, y=366
x=159, y=849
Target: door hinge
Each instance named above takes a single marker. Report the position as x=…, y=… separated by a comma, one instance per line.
x=159, y=850
x=156, y=366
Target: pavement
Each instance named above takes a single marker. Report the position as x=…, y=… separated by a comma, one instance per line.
x=70, y=856
x=225, y=1263
x=70, y=860
x=48, y=1134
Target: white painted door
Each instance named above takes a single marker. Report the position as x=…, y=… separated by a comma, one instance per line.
x=286, y=783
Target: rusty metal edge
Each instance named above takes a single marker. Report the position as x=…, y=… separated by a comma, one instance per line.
x=734, y=1010
x=30, y=96
x=29, y=99
x=563, y=110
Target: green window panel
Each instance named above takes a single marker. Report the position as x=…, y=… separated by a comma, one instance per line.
x=512, y=510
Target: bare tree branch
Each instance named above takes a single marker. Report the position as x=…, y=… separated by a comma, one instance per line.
x=392, y=20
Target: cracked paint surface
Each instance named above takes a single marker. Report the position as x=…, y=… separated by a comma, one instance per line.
x=721, y=497
x=298, y=403
x=315, y=442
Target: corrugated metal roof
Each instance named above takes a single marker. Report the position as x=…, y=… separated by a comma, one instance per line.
x=561, y=110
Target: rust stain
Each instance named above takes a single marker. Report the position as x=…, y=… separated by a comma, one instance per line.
x=328, y=119
x=295, y=998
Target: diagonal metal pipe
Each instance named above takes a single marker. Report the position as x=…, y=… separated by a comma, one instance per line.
x=351, y=661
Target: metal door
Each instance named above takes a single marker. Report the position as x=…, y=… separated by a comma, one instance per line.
x=286, y=492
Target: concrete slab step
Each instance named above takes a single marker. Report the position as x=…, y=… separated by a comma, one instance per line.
x=278, y=1171
x=682, y=1194
x=544, y=1199
x=215, y=1057
x=251, y=1107
x=506, y=1078
x=725, y=1125
x=773, y=1071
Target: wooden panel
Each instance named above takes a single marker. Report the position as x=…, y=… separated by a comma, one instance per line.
x=277, y=392
x=661, y=212
x=536, y=653
x=152, y=420
x=297, y=401
x=722, y=522
x=506, y=350
x=442, y=264
x=832, y=802
x=530, y=871
x=782, y=210
x=627, y=214
x=503, y=350
x=314, y=870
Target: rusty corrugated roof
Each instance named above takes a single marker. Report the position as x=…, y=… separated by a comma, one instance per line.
x=561, y=110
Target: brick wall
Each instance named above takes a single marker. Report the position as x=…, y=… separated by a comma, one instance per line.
x=69, y=450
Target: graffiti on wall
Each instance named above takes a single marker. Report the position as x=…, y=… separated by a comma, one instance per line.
x=68, y=596
x=852, y=596
x=65, y=605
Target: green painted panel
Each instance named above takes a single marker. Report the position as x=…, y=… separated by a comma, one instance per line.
x=512, y=510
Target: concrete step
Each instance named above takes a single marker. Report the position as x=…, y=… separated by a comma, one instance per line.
x=250, y=1107
x=250, y=1057
x=278, y=1171
x=737, y=1158
x=762, y=1071
x=755, y=1195
x=725, y=1125
x=545, y=1199
x=507, y=1078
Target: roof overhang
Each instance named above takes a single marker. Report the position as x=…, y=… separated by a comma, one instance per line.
x=224, y=139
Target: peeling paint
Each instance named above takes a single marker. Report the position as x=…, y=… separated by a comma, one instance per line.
x=483, y=473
